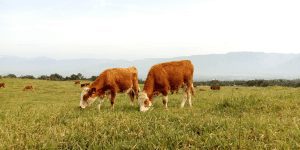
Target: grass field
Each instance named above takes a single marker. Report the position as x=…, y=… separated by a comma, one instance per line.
x=243, y=118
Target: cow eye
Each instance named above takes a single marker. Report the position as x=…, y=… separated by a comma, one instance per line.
x=146, y=103
x=85, y=97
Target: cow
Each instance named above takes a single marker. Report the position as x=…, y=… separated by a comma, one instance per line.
x=215, y=87
x=111, y=81
x=28, y=87
x=202, y=90
x=85, y=84
x=2, y=85
x=167, y=77
x=77, y=82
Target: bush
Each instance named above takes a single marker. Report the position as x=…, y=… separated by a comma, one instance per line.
x=27, y=77
x=258, y=83
x=79, y=76
x=10, y=76
x=92, y=78
x=44, y=77
x=56, y=77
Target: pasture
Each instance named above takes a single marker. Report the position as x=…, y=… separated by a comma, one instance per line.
x=245, y=118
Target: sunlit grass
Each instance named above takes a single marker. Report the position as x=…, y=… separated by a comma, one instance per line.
x=246, y=118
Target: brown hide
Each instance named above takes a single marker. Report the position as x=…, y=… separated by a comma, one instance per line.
x=2, y=85
x=215, y=87
x=28, y=87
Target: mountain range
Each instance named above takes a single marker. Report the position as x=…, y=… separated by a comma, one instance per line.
x=230, y=66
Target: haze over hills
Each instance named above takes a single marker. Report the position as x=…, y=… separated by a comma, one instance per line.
x=230, y=66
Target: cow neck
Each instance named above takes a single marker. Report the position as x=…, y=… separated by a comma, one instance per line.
x=149, y=87
x=98, y=84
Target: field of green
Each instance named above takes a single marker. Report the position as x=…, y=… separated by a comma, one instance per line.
x=233, y=118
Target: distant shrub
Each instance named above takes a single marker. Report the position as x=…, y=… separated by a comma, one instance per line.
x=56, y=77
x=92, y=78
x=10, y=76
x=79, y=76
x=27, y=77
x=258, y=83
x=44, y=77
x=141, y=81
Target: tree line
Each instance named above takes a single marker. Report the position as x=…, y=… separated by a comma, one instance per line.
x=258, y=83
x=53, y=77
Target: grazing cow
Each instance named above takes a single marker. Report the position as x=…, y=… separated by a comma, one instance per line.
x=215, y=87
x=77, y=82
x=85, y=84
x=2, y=85
x=28, y=87
x=202, y=90
x=167, y=77
x=111, y=81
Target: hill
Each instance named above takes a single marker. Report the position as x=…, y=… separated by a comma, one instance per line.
x=237, y=65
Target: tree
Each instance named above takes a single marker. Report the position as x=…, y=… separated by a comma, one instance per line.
x=79, y=76
x=93, y=78
x=11, y=76
x=56, y=77
x=44, y=77
x=27, y=77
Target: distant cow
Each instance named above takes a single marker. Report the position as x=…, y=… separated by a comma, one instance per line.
x=202, y=90
x=167, y=77
x=77, y=82
x=215, y=87
x=111, y=81
x=85, y=84
x=28, y=87
x=2, y=85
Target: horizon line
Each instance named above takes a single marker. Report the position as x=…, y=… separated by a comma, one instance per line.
x=35, y=57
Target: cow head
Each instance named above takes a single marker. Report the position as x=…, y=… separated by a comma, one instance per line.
x=144, y=102
x=88, y=96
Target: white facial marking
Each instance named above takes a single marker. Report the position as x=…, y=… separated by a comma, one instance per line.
x=89, y=101
x=142, y=98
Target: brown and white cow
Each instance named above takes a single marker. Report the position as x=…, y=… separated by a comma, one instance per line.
x=2, y=85
x=112, y=81
x=84, y=84
x=167, y=77
x=77, y=82
x=215, y=87
x=28, y=87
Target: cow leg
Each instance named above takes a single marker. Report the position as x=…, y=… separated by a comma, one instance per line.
x=185, y=95
x=101, y=100
x=189, y=93
x=131, y=95
x=189, y=97
x=112, y=99
x=165, y=101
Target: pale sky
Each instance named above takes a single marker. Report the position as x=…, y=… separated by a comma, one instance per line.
x=135, y=29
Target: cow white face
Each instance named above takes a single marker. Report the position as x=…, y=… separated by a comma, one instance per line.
x=87, y=97
x=144, y=102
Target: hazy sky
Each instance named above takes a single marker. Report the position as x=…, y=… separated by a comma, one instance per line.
x=133, y=29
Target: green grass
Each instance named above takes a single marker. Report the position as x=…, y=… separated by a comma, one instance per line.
x=244, y=118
